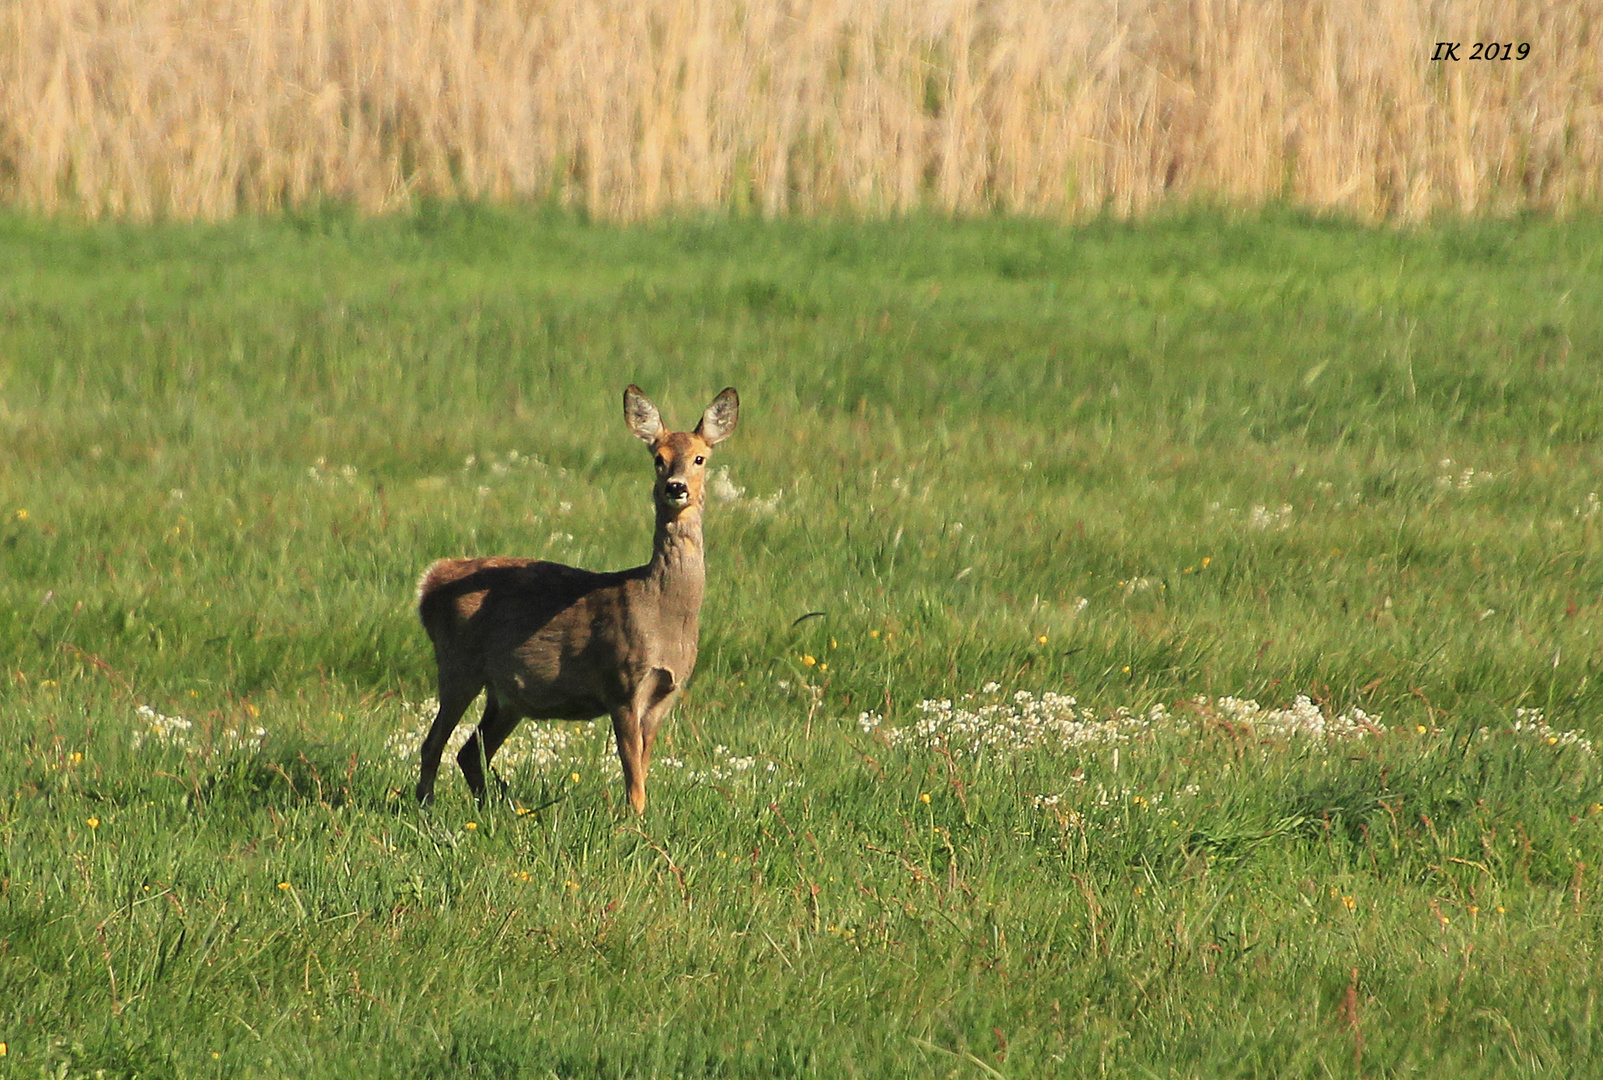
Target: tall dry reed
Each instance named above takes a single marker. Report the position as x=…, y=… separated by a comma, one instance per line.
x=627, y=108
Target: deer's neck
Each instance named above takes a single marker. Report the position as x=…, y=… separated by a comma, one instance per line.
x=676, y=568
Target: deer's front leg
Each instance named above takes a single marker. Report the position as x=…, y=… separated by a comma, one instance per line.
x=631, y=753
x=657, y=696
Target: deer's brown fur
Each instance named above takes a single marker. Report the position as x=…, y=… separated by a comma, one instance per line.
x=551, y=642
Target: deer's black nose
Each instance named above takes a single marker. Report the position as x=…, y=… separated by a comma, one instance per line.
x=676, y=489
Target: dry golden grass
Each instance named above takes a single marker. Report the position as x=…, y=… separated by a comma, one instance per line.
x=205, y=108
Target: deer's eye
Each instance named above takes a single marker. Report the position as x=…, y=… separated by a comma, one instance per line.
x=700, y=459
x=661, y=464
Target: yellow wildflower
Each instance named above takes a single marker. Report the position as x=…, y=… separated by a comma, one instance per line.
x=94, y=823
x=809, y=659
x=924, y=797
x=283, y=886
x=470, y=826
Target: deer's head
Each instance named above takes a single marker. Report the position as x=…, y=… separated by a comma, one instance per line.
x=681, y=456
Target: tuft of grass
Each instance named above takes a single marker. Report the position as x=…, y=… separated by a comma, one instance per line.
x=1300, y=514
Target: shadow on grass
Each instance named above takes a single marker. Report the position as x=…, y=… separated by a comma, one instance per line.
x=284, y=775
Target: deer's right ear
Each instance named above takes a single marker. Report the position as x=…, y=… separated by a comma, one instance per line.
x=641, y=415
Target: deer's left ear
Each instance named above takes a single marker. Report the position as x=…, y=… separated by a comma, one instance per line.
x=718, y=422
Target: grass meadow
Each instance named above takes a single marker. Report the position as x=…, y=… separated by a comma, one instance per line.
x=1303, y=516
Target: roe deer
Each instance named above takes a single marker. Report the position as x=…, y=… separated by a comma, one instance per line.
x=551, y=642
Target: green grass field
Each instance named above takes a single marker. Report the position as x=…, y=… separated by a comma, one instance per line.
x=1166, y=469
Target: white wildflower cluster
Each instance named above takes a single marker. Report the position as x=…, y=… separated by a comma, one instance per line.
x=323, y=474
x=1266, y=518
x=723, y=489
x=162, y=730
x=1066, y=816
x=732, y=766
x=1012, y=726
x=245, y=740
x=1452, y=478
x=501, y=465
x=1528, y=723
x=1591, y=509
x=1057, y=721
x=1302, y=718
x=156, y=729
x=1258, y=517
x=1159, y=802
x=727, y=767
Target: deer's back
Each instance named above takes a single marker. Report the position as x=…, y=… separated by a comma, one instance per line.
x=553, y=641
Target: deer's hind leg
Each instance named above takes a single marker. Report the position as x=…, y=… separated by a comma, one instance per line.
x=454, y=701
x=494, y=727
